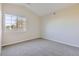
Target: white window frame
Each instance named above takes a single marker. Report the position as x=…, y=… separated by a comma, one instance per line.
x=17, y=30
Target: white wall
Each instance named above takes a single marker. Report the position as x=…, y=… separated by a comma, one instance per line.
x=33, y=25
x=62, y=27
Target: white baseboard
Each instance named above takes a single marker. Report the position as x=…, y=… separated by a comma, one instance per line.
x=18, y=42
x=65, y=43
x=62, y=42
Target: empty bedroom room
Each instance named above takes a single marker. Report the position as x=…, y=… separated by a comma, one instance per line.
x=40, y=29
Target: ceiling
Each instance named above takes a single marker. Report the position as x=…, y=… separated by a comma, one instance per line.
x=42, y=9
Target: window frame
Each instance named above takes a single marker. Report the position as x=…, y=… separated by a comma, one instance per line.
x=17, y=29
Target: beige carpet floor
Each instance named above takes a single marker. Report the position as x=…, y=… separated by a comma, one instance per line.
x=39, y=47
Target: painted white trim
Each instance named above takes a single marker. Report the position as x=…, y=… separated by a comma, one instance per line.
x=62, y=42
x=19, y=41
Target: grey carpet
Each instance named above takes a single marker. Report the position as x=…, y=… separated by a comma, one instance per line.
x=39, y=47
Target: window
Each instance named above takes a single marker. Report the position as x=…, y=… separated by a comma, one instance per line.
x=13, y=22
